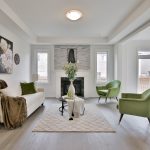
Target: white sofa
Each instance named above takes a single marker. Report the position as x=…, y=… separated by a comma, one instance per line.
x=33, y=101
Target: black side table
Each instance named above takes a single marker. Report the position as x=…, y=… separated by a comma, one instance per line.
x=63, y=105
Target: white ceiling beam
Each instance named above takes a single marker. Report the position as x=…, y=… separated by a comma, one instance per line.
x=135, y=32
x=138, y=17
x=75, y=40
x=15, y=18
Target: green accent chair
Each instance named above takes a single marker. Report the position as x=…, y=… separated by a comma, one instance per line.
x=110, y=90
x=135, y=104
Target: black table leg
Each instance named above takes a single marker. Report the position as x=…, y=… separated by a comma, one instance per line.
x=62, y=108
x=63, y=105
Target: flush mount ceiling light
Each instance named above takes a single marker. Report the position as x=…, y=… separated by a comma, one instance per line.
x=74, y=14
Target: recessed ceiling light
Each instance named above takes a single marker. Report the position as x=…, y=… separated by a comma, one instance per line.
x=74, y=14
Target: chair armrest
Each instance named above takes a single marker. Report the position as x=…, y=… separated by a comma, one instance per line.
x=40, y=89
x=100, y=88
x=132, y=95
x=132, y=99
x=112, y=92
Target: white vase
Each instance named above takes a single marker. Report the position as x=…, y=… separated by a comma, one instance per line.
x=71, y=88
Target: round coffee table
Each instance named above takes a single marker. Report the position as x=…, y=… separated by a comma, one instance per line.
x=70, y=103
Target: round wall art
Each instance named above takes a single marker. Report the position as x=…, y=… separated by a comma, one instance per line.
x=16, y=59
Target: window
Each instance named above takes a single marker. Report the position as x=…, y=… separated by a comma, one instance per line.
x=102, y=66
x=42, y=66
x=144, y=71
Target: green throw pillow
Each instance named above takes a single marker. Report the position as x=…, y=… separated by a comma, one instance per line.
x=27, y=88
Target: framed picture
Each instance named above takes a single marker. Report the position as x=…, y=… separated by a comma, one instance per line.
x=72, y=55
x=6, y=55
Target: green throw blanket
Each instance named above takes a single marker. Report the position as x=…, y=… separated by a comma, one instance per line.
x=14, y=111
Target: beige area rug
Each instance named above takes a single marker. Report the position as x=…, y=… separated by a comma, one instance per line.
x=92, y=121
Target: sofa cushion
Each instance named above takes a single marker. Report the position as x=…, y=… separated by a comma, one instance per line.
x=33, y=101
x=27, y=88
x=4, y=92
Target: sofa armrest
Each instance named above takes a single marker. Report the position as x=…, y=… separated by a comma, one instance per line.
x=132, y=95
x=40, y=89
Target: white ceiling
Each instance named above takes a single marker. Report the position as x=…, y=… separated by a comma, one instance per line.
x=46, y=18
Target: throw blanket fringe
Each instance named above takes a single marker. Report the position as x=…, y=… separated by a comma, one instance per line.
x=14, y=111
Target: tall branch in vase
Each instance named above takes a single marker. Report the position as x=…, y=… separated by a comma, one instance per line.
x=71, y=72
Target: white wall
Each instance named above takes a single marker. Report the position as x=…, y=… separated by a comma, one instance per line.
x=52, y=88
x=145, y=66
x=126, y=63
x=21, y=72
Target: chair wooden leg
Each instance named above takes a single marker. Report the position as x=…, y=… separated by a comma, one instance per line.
x=106, y=100
x=121, y=116
x=117, y=98
x=99, y=99
x=148, y=119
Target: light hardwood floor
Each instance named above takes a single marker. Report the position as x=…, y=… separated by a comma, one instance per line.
x=132, y=134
